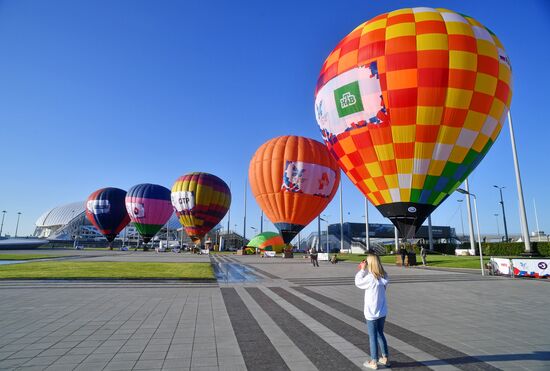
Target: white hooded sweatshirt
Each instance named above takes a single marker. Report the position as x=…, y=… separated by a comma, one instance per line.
x=375, y=294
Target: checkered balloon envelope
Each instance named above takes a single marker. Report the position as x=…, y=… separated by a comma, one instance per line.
x=409, y=103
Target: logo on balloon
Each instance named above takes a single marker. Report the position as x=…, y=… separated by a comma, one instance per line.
x=303, y=177
x=411, y=209
x=98, y=206
x=183, y=200
x=348, y=99
x=136, y=209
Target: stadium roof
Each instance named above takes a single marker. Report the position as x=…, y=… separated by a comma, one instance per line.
x=60, y=215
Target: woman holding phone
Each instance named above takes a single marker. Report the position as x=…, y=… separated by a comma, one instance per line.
x=372, y=278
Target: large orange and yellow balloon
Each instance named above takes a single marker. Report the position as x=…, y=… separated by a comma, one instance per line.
x=201, y=201
x=293, y=179
x=409, y=103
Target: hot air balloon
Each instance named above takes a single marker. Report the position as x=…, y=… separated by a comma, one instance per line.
x=105, y=209
x=293, y=179
x=268, y=241
x=201, y=200
x=409, y=103
x=149, y=208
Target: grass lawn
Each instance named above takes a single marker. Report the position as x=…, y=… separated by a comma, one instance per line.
x=447, y=261
x=112, y=270
x=26, y=256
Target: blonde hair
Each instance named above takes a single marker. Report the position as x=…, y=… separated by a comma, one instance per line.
x=375, y=267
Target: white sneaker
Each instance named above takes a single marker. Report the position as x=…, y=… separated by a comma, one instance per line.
x=371, y=364
x=384, y=361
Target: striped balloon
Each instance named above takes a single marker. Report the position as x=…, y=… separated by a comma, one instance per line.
x=149, y=208
x=201, y=201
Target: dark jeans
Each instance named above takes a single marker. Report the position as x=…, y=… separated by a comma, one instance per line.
x=314, y=260
x=375, y=329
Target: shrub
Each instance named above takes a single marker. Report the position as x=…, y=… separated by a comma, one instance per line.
x=502, y=248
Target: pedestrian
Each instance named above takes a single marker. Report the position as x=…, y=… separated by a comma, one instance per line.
x=374, y=281
x=423, y=254
x=403, y=253
x=334, y=259
x=313, y=256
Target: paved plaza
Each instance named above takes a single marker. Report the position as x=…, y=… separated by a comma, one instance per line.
x=271, y=314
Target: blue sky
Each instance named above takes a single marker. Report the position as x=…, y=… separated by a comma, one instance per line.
x=116, y=93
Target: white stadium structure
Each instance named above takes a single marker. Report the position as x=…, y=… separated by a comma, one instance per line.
x=67, y=221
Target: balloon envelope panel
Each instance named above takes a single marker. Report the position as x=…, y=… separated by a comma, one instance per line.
x=293, y=179
x=269, y=241
x=106, y=210
x=409, y=103
x=201, y=201
x=149, y=208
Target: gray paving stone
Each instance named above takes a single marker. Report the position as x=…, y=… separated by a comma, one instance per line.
x=149, y=364
x=153, y=355
x=119, y=365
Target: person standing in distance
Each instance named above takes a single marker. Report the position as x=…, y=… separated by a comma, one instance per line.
x=374, y=281
x=313, y=256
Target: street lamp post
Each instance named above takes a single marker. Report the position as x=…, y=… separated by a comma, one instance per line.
x=463, y=191
x=2, y=225
x=498, y=227
x=17, y=225
x=470, y=223
x=461, y=219
x=367, y=237
x=503, y=213
x=262, y=223
x=325, y=220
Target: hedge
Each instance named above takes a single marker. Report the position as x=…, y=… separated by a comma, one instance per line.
x=489, y=249
x=514, y=248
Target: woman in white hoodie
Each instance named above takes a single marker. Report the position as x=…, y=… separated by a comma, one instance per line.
x=374, y=281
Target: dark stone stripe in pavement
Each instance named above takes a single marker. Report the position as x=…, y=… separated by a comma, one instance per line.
x=323, y=355
x=267, y=274
x=257, y=350
x=446, y=354
x=358, y=338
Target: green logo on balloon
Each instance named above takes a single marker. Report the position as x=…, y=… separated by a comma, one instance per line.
x=348, y=99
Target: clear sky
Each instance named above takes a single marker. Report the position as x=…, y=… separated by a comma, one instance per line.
x=116, y=93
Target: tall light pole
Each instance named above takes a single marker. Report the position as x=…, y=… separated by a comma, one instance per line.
x=319, y=232
x=461, y=219
x=229, y=212
x=262, y=223
x=521, y=203
x=463, y=191
x=498, y=227
x=341, y=222
x=2, y=225
x=430, y=234
x=470, y=223
x=17, y=225
x=244, y=221
x=325, y=220
x=536, y=220
x=396, y=238
x=503, y=212
x=367, y=237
